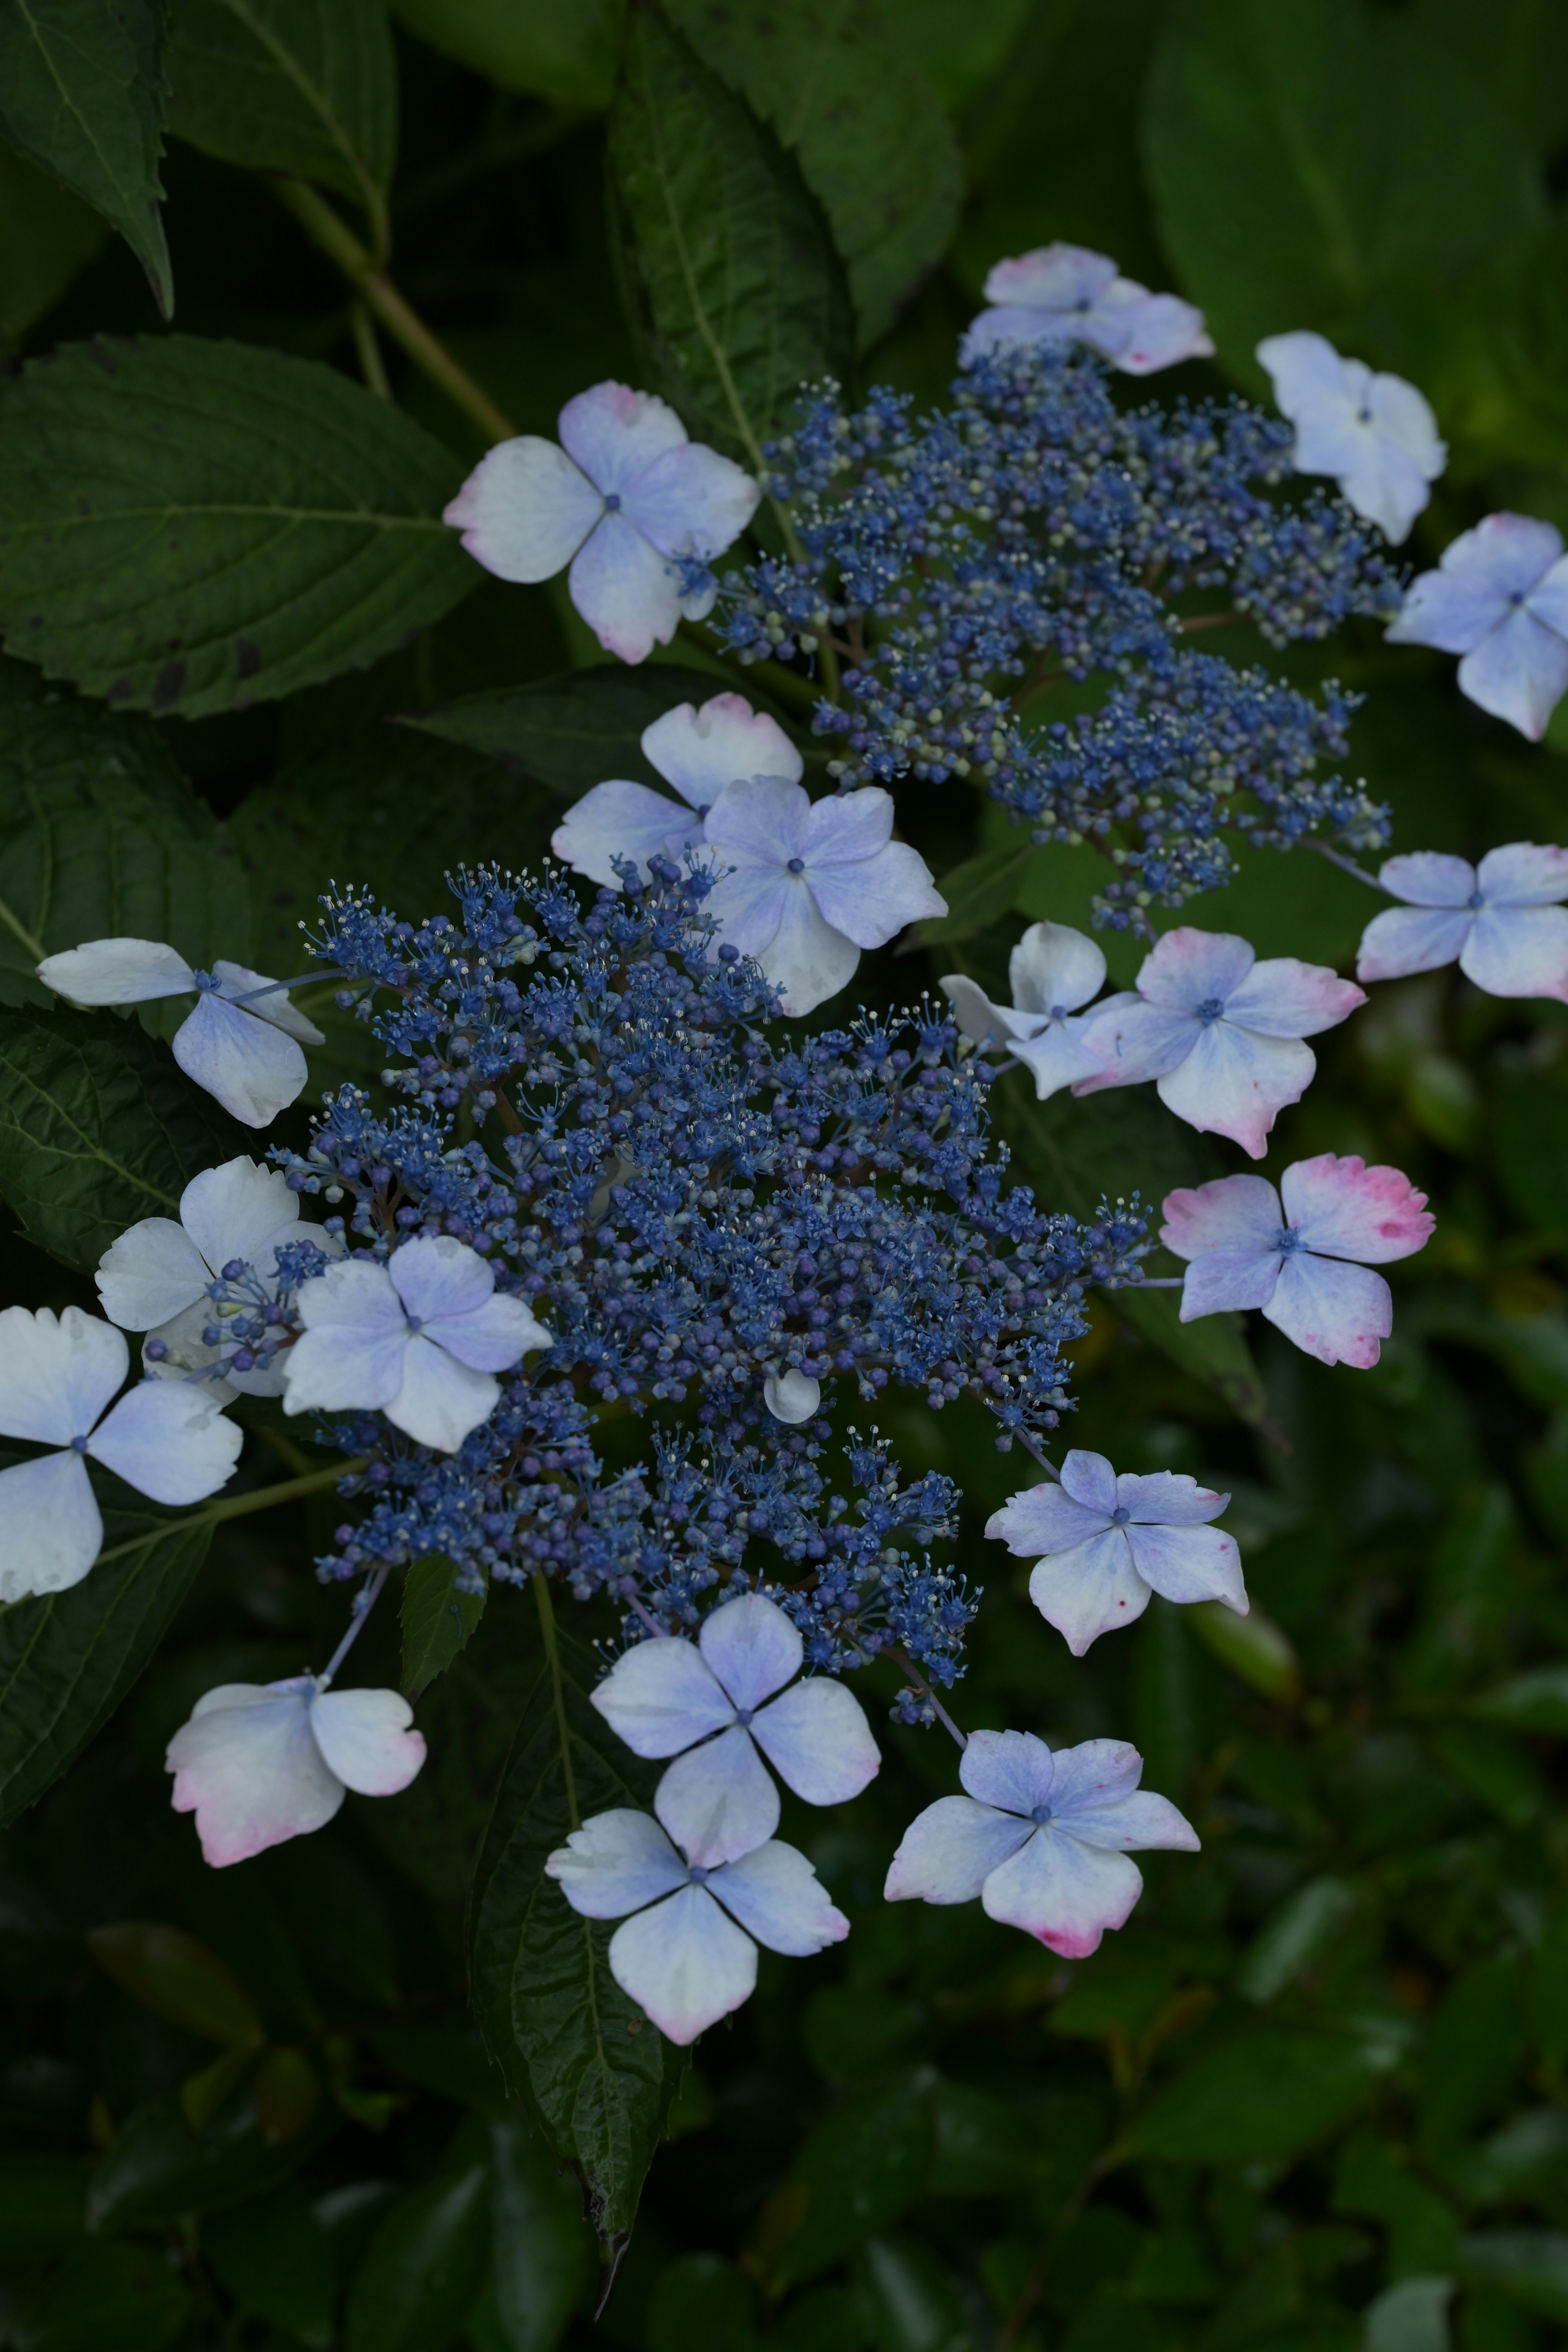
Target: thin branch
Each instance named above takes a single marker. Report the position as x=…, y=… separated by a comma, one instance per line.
x=239, y=1507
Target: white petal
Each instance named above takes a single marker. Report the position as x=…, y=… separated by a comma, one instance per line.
x=1189, y=967
x=50, y=1530
x=621, y=820
x=948, y=1852
x=1044, y=1519
x=1058, y=1056
x=1524, y=873
x=150, y=1274
x=1139, y=1819
x=1519, y=951
x=1056, y=277
x=777, y=1897
x=1403, y=939
x=355, y=1336
x=718, y=1801
x=1240, y=1214
x=1089, y=1478
x=1167, y=1498
x=1287, y=998
x=449, y=1291
x=169, y=1440
x=806, y=956
x=1229, y=1281
x=1386, y=484
x=702, y=751
x=439, y=1400
x=628, y=593
x=1130, y=1041
x=1095, y=1772
x=985, y=1023
x=1519, y=672
x=185, y=1350
x=525, y=509
x=56, y=1373
x=1236, y=1083
x=252, y=1068
x=764, y=821
x=614, y=433
x=791, y=1396
x=366, y=1738
x=1011, y=1769
x=615, y=1864
x=1334, y=1311
x=819, y=1741
x=1090, y=1591
x=1480, y=577
x=871, y=899
x=752, y=1647
x=661, y=1697
x=1189, y=1564
x=1054, y=969
x=247, y=1766
x=1428, y=877
x=692, y=501
x=1159, y=331
x=117, y=971
x=233, y=1210
x=1065, y=1894
x=258, y=993
x=685, y=1962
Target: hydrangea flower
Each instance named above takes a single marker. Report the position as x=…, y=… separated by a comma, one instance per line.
x=1041, y=1839
x=689, y=1953
x=1062, y=293
x=1105, y=1543
x=625, y=496
x=57, y=1374
x=1499, y=598
x=1053, y=971
x=668, y=1695
x=697, y=750
x=1308, y=1263
x=420, y=1337
x=155, y=1277
x=1375, y=435
x=1219, y=1031
x=261, y=1763
x=1500, y=919
x=242, y=1042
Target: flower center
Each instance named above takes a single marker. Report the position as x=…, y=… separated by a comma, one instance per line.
x=1516, y=595
x=1059, y=1013
x=1365, y=415
x=796, y=866
x=696, y=1876
x=1475, y=900
x=1120, y=1515
x=204, y=980
x=612, y=502
x=1288, y=1241
x=1210, y=1010
x=415, y=1322
x=743, y=1717
x=79, y=1446
x=1040, y=1816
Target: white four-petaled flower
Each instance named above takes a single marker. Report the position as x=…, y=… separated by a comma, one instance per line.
x=622, y=498
x=1041, y=1839
x=697, y=750
x=1220, y=1032
x=420, y=1337
x=687, y=1954
x=668, y=1695
x=1500, y=919
x=168, y=1440
x=242, y=1042
x=1106, y=1543
x=1375, y=435
x=1053, y=971
x=260, y=1762
x=1064, y=293
x=1298, y=1261
x=1499, y=598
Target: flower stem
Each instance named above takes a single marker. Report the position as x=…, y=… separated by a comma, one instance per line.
x=903, y=1659
x=558, y=1691
x=364, y=1601
x=1345, y=865
x=1030, y=1448
x=239, y=1506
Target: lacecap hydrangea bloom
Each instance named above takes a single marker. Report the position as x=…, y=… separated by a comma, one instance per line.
x=1065, y=293
x=259, y=1763
x=1374, y=433
x=1501, y=921
x=1500, y=599
x=1054, y=971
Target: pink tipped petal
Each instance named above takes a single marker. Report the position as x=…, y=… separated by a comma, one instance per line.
x=117, y=971
x=236, y=1211
x=1287, y=998
x=1090, y=1590
x=622, y=820
x=1403, y=939
x=718, y=1800
x=1131, y=1042
x=1059, y=1057
x=661, y=1697
x=1011, y=1770
x=1237, y=1213
x=367, y=1738
x=439, y=1400
x=247, y=1766
x=50, y=1530
x=948, y=1852
x=1167, y=1498
x=750, y=1647
x=57, y=1373
x=1428, y=877
x=616, y=1863
x=260, y=995
x=1090, y=1481
x=525, y=509
x=692, y=501
x=871, y=902
x=1343, y=1208
x=1065, y=1894
x=1136, y=1823
x=1519, y=951
x=1235, y=1083
x=1052, y=277
x=628, y=593
x=1228, y=1281
x=819, y=1741
x=169, y=1440
x=1518, y=673
x=777, y=1897
x=614, y=433
x=686, y=1963
x=252, y=1068
x=1160, y=330
x=150, y=1274
x=1054, y=970
x=1189, y=1563
x=1524, y=874
x=1188, y=968
x=1044, y=1519
x=1331, y=1310
x=702, y=751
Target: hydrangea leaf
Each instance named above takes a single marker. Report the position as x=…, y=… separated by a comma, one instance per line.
x=302, y=86
x=596, y=2077
x=731, y=281
x=872, y=139
x=978, y=893
x=159, y=2168
x=437, y=1619
x=101, y=837
x=82, y=92
x=47, y=236
x=537, y=47
x=98, y=1127
x=426, y=2260
x=1261, y=2096
x=192, y=527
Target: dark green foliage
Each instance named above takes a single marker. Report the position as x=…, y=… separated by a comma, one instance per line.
x=571, y=732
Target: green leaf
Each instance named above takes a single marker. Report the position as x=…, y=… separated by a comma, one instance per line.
x=596, y=2077
x=437, y=1620
x=82, y=92
x=66, y=1659
x=101, y=837
x=47, y=236
x=1261, y=2096
x=874, y=143
x=731, y=280
x=701, y=2299
x=107, y=2298
x=1475, y=2046
x=541, y=2251
x=978, y=894
x=98, y=1127
x=1412, y=2315
x=859, y=2169
x=433, y=1829
x=1292, y=1938
x=1252, y=1646
x=566, y=55
x=424, y=2268
x=1532, y=2265
x=1535, y=1701
x=41, y=2211
x=174, y=1975
x=193, y=527
x=303, y=86
x=158, y=2169
x=276, y=2260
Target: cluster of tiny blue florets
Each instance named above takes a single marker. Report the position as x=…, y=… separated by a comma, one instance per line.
x=691, y=1196
x=966, y=563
